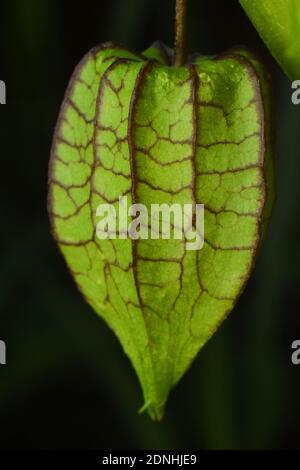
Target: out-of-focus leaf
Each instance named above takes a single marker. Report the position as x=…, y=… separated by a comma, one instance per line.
x=278, y=23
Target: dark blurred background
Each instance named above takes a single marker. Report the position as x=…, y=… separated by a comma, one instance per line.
x=67, y=382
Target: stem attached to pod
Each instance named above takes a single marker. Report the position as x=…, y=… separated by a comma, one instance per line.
x=180, y=43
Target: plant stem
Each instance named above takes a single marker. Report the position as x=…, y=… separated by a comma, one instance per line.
x=180, y=43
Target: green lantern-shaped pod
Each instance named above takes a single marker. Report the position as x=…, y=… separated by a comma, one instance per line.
x=134, y=125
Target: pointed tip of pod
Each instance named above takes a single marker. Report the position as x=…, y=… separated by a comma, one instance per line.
x=155, y=411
